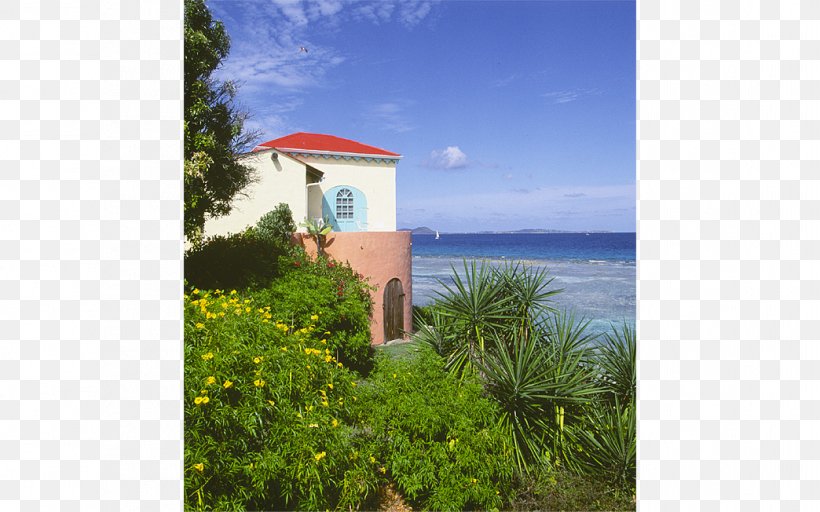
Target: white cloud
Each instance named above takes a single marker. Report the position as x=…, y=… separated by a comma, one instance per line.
x=449, y=158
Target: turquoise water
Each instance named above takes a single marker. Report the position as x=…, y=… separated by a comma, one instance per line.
x=596, y=271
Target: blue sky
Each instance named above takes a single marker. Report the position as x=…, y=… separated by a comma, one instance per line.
x=509, y=115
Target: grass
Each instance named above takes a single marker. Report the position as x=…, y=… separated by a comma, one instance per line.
x=401, y=351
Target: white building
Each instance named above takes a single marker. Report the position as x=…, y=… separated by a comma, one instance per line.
x=351, y=184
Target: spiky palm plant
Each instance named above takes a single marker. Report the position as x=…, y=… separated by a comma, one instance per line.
x=605, y=443
x=529, y=288
x=538, y=386
x=616, y=359
x=475, y=307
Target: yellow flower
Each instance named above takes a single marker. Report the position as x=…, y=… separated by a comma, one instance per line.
x=204, y=392
x=247, y=310
x=328, y=359
x=271, y=402
x=313, y=425
x=208, y=356
x=227, y=384
x=394, y=375
x=353, y=384
x=201, y=400
x=339, y=365
x=259, y=383
x=283, y=349
x=335, y=422
x=319, y=456
x=221, y=314
x=324, y=342
x=257, y=360
x=372, y=459
x=314, y=317
x=474, y=480
x=383, y=470
x=200, y=325
x=233, y=292
x=196, y=291
x=325, y=404
x=199, y=467
x=205, y=399
x=330, y=386
x=210, y=380
x=307, y=351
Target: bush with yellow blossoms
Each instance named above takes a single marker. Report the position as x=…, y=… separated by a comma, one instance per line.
x=267, y=411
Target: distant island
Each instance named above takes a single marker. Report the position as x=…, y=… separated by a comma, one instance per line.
x=424, y=230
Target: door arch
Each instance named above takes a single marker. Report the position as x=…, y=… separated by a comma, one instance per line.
x=393, y=310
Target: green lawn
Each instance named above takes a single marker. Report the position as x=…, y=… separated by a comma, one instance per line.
x=399, y=350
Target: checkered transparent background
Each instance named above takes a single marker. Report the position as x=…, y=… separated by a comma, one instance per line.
x=729, y=255
x=90, y=254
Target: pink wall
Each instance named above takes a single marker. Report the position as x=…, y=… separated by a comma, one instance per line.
x=380, y=256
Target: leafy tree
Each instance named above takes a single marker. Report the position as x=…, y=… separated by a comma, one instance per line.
x=214, y=126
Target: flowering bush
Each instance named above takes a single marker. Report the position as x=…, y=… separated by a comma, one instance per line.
x=267, y=411
x=434, y=435
x=333, y=292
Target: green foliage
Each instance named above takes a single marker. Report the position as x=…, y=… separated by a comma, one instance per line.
x=334, y=292
x=434, y=436
x=277, y=225
x=605, y=443
x=214, y=127
x=237, y=261
x=616, y=359
x=318, y=230
x=537, y=363
x=268, y=424
x=564, y=490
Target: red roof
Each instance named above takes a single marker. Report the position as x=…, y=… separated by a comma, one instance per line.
x=320, y=143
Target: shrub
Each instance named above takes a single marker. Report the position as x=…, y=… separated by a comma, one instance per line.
x=267, y=413
x=237, y=261
x=433, y=435
x=277, y=225
x=334, y=292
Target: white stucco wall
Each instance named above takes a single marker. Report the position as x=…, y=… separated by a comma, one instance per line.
x=376, y=180
x=280, y=181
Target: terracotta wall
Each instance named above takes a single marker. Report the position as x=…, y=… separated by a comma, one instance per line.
x=381, y=256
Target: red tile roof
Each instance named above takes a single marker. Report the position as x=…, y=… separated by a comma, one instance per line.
x=320, y=143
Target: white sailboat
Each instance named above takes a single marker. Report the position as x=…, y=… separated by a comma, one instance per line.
x=437, y=237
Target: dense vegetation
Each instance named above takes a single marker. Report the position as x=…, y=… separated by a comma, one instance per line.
x=503, y=403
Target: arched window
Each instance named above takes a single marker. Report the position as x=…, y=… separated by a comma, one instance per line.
x=344, y=204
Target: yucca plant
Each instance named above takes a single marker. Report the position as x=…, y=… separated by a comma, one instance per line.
x=530, y=292
x=539, y=387
x=475, y=306
x=605, y=443
x=616, y=359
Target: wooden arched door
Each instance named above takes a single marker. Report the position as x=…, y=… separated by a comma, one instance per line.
x=393, y=310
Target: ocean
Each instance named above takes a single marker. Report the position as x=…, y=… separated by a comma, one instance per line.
x=596, y=270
